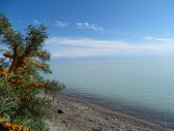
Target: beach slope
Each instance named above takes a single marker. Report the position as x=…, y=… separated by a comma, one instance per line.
x=71, y=114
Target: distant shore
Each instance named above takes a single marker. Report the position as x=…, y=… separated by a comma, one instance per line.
x=71, y=114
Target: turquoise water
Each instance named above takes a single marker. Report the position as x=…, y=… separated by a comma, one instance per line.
x=144, y=86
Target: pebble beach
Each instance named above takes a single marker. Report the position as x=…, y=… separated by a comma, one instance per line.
x=71, y=114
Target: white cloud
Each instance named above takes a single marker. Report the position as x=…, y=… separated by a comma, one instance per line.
x=36, y=21
x=86, y=25
x=159, y=39
x=86, y=47
x=62, y=23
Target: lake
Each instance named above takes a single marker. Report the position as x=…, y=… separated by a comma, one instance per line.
x=142, y=87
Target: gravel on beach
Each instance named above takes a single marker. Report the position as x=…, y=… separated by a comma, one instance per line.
x=71, y=114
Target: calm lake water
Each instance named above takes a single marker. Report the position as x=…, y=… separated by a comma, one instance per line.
x=140, y=87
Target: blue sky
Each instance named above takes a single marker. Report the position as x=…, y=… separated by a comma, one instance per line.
x=99, y=28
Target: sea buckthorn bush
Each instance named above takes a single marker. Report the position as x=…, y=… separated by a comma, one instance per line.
x=22, y=59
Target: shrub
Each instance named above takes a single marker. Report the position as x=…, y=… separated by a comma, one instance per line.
x=20, y=81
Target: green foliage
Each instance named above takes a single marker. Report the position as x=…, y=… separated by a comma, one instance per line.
x=54, y=87
x=20, y=80
x=35, y=124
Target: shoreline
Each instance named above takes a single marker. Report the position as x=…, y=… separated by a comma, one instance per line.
x=135, y=110
x=81, y=115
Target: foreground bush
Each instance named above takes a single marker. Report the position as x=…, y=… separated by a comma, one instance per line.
x=22, y=59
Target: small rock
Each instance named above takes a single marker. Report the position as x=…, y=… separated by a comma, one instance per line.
x=63, y=121
x=112, y=127
x=96, y=129
x=107, y=119
x=60, y=111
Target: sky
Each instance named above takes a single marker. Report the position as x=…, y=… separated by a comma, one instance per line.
x=98, y=28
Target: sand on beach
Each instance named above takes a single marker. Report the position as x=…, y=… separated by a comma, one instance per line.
x=79, y=115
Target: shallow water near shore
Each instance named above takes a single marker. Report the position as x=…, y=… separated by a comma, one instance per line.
x=140, y=87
